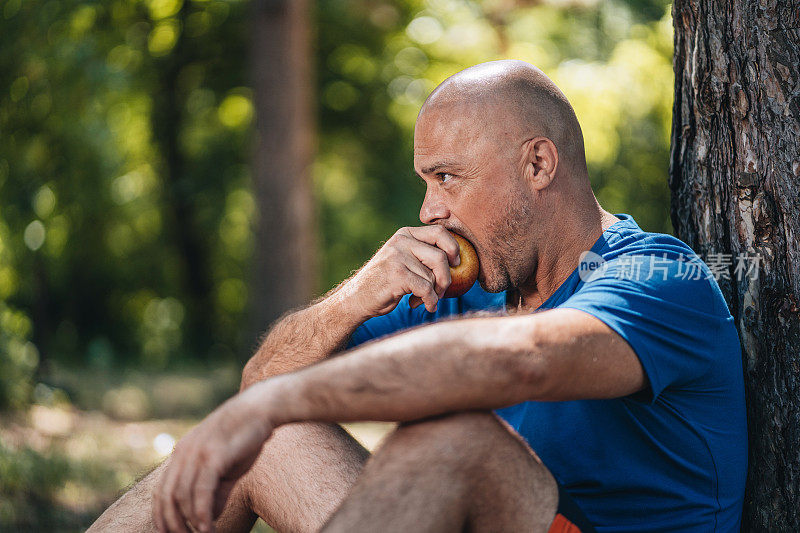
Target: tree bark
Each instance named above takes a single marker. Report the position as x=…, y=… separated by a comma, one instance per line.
x=284, y=270
x=735, y=182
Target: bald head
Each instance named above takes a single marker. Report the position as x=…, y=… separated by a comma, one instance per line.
x=501, y=153
x=514, y=99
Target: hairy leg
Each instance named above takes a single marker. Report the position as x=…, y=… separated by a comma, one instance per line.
x=132, y=512
x=466, y=471
x=302, y=475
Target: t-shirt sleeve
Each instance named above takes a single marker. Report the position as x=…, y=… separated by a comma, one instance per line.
x=404, y=317
x=668, y=313
x=400, y=318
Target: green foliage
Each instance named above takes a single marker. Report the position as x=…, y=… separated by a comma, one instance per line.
x=27, y=483
x=45, y=490
x=125, y=226
x=63, y=461
x=123, y=177
x=18, y=358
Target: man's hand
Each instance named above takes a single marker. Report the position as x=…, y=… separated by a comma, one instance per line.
x=414, y=260
x=207, y=463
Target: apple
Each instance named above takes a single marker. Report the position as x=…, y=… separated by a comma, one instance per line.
x=464, y=275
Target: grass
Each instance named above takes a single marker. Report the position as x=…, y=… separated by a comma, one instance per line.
x=91, y=434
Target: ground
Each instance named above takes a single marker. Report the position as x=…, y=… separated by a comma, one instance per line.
x=93, y=433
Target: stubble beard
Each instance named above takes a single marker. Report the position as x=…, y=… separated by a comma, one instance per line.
x=508, y=259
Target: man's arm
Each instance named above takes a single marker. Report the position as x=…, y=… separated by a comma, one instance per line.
x=478, y=363
x=483, y=363
x=414, y=260
x=304, y=337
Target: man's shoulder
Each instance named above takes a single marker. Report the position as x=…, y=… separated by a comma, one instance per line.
x=629, y=239
x=661, y=263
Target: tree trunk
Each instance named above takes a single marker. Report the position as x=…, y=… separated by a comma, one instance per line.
x=734, y=176
x=167, y=120
x=284, y=266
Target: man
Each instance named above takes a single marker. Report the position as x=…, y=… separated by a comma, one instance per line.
x=627, y=383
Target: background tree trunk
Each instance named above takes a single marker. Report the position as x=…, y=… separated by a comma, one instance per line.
x=180, y=192
x=284, y=266
x=735, y=164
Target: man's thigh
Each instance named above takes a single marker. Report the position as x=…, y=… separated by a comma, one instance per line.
x=466, y=471
x=302, y=475
x=526, y=483
x=509, y=487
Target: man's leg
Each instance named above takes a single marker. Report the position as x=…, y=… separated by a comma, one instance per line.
x=302, y=474
x=465, y=471
x=133, y=510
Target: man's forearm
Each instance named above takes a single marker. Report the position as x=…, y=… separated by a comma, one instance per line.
x=305, y=337
x=482, y=363
x=475, y=363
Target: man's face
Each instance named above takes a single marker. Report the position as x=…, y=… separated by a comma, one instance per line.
x=473, y=172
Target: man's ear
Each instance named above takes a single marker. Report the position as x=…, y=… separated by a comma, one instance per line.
x=541, y=162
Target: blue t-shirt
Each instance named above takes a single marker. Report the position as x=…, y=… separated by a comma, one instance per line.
x=672, y=457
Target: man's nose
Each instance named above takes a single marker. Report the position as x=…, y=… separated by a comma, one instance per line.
x=433, y=208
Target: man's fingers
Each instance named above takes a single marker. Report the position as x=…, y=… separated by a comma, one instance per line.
x=175, y=521
x=184, y=489
x=414, y=266
x=424, y=289
x=171, y=517
x=423, y=286
x=435, y=260
x=414, y=301
x=158, y=516
x=438, y=236
x=203, y=495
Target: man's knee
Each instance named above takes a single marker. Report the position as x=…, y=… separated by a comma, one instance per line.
x=465, y=422
x=476, y=428
x=472, y=440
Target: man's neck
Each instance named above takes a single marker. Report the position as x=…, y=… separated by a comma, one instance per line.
x=558, y=257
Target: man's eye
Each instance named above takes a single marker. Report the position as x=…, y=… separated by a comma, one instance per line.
x=444, y=177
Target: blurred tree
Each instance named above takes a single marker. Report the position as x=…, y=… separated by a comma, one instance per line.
x=285, y=255
x=735, y=192
x=123, y=176
x=180, y=187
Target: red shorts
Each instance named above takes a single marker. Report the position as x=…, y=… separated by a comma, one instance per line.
x=569, y=517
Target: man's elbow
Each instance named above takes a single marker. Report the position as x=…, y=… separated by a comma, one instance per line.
x=247, y=375
x=532, y=361
x=253, y=370
x=533, y=377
